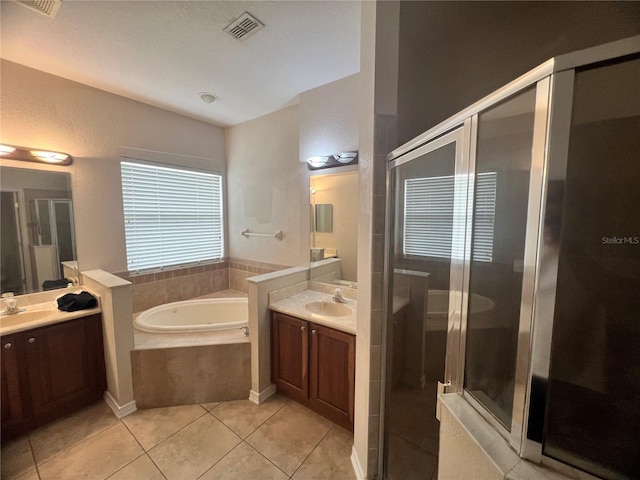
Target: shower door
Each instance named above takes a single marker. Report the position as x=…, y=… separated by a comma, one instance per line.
x=428, y=188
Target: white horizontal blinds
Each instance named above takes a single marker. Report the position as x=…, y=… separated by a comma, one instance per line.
x=484, y=213
x=172, y=216
x=428, y=216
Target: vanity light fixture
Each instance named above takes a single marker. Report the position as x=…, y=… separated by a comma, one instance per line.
x=6, y=150
x=317, y=162
x=336, y=160
x=346, y=157
x=40, y=156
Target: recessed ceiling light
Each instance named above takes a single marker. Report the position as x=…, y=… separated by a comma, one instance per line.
x=208, y=97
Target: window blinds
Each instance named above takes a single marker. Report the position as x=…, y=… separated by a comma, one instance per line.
x=172, y=216
x=428, y=216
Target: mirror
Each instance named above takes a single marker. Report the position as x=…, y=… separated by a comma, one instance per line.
x=324, y=218
x=38, y=242
x=334, y=240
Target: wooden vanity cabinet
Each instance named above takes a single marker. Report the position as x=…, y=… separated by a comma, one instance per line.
x=51, y=371
x=314, y=365
x=10, y=388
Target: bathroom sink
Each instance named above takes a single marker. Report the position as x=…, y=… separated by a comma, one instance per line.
x=23, y=317
x=329, y=309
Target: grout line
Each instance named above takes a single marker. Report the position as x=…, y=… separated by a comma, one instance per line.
x=179, y=430
x=126, y=465
x=33, y=456
x=265, y=457
x=313, y=449
x=256, y=428
x=94, y=434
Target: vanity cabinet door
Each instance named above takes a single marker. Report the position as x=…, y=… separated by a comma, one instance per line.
x=332, y=375
x=290, y=353
x=12, y=412
x=65, y=365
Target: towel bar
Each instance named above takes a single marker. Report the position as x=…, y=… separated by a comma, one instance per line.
x=277, y=234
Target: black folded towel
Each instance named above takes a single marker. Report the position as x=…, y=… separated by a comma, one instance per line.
x=72, y=302
x=54, y=284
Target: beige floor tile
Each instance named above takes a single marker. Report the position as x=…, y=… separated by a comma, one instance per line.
x=97, y=457
x=152, y=426
x=30, y=475
x=244, y=417
x=62, y=434
x=331, y=459
x=409, y=462
x=244, y=463
x=140, y=469
x=17, y=458
x=210, y=406
x=289, y=436
x=194, y=449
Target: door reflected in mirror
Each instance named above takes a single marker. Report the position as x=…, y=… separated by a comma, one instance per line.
x=334, y=232
x=38, y=241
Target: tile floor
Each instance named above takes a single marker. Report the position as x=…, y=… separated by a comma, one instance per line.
x=279, y=439
x=414, y=433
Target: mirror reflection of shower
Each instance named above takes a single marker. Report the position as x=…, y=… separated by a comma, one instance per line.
x=334, y=228
x=38, y=232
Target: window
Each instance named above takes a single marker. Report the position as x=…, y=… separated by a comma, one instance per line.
x=428, y=216
x=172, y=216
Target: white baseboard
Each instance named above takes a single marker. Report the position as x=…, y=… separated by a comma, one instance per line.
x=119, y=411
x=355, y=463
x=261, y=397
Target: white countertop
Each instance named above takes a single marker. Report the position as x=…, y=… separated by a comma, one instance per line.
x=40, y=315
x=295, y=306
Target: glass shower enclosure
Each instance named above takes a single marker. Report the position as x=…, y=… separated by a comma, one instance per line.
x=513, y=270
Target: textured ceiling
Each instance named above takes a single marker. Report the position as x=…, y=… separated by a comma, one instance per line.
x=165, y=52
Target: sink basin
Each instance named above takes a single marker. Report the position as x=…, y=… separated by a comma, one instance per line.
x=24, y=317
x=329, y=309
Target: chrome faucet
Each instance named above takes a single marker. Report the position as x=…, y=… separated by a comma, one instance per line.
x=338, y=298
x=11, y=304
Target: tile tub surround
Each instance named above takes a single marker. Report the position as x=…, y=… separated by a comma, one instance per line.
x=194, y=374
x=157, y=288
x=241, y=269
x=294, y=305
x=153, y=289
x=206, y=441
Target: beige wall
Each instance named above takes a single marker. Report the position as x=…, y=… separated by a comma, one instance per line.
x=263, y=178
x=267, y=176
x=95, y=127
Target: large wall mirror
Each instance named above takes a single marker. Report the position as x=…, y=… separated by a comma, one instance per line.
x=38, y=241
x=334, y=251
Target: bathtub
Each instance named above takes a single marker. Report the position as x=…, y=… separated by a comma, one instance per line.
x=202, y=315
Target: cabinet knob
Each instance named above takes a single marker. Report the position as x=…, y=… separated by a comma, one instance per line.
x=31, y=340
x=302, y=329
x=7, y=345
x=313, y=332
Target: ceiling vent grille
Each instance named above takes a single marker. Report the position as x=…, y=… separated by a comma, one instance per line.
x=46, y=7
x=244, y=26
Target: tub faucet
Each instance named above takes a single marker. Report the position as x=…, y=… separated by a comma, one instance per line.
x=338, y=298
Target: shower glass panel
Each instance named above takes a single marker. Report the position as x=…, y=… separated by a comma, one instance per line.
x=593, y=397
x=501, y=193
x=422, y=206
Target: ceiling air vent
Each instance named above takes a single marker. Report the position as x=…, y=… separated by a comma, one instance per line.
x=46, y=7
x=244, y=26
